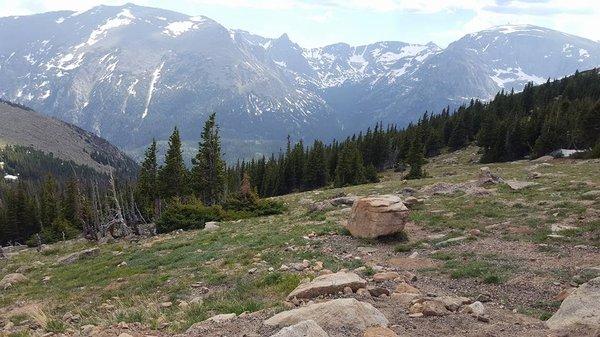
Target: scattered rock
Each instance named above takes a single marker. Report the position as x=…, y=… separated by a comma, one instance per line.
x=339, y=317
x=211, y=225
x=12, y=279
x=412, y=202
x=581, y=307
x=379, y=331
x=222, y=318
x=434, y=308
x=84, y=254
x=300, y=266
x=328, y=284
x=166, y=304
x=476, y=309
x=89, y=330
x=308, y=328
x=319, y=206
x=377, y=216
x=378, y=291
x=453, y=303
x=385, y=276
x=406, y=288
x=347, y=201
x=404, y=299
x=519, y=185
x=367, y=250
x=124, y=334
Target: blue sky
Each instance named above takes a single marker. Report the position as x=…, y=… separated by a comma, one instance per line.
x=314, y=23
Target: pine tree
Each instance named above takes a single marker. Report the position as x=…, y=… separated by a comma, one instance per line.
x=208, y=171
x=147, y=187
x=172, y=177
x=416, y=158
x=71, y=204
x=316, y=167
x=49, y=207
x=350, y=169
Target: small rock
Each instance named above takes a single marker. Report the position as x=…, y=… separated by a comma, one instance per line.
x=434, y=308
x=476, y=309
x=166, y=304
x=378, y=291
x=252, y=271
x=211, y=225
x=406, y=288
x=222, y=318
x=348, y=291
x=404, y=299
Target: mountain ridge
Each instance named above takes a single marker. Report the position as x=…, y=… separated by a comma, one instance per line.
x=130, y=73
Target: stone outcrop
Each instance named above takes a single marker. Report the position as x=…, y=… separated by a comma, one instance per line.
x=339, y=317
x=582, y=307
x=328, y=284
x=377, y=216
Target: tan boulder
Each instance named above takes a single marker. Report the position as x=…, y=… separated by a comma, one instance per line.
x=306, y=328
x=328, y=284
x=339, y=318
x=377, y=216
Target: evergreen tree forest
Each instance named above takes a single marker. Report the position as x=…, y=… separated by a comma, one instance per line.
x=54, y=198
x=559, y=114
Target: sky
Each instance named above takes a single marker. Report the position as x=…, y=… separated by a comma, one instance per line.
x=314, y=23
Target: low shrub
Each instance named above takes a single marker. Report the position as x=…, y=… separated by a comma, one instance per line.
x=190, y=215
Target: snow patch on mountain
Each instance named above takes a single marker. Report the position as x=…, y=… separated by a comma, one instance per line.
x=509, y=75
x=153, y=81
x=124, y=18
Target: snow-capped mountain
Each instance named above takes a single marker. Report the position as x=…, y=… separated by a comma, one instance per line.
x=130, y=73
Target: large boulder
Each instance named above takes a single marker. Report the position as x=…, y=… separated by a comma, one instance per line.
x=582, y=307
x=307, y=328
x=328, y=284
x=339, y=317
x=372, y=217
x=84, y=254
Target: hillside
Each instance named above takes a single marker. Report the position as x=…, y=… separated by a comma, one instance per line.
x=516, y=250
x=130, y=73
x=26, y=128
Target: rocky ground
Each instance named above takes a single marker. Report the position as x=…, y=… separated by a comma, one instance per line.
x=486, y=251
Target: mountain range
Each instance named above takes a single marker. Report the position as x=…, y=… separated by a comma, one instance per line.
x=130, y=73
